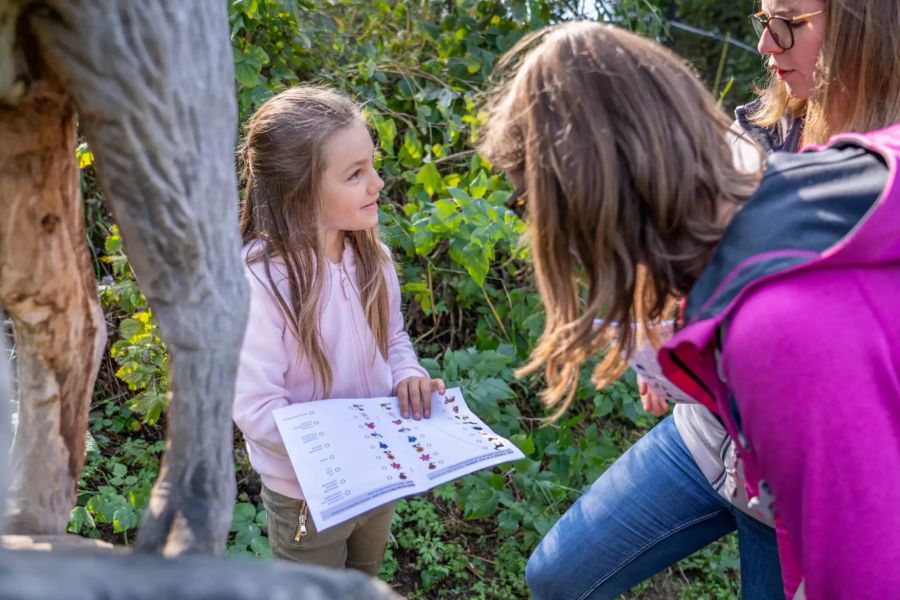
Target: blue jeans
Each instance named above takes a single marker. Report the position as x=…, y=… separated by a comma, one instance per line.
x=649, y=510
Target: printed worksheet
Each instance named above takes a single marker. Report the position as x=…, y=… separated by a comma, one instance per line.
x=643, y=362
x=352, y=455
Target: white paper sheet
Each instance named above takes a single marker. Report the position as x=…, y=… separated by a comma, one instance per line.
x=352, y=455
x=643, y=362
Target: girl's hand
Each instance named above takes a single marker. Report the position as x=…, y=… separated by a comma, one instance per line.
x=415, y=393
x=652, y=402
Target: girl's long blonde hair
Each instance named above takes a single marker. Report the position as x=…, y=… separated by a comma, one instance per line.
x=857, y=78
x=625, y=163
x=282, y=161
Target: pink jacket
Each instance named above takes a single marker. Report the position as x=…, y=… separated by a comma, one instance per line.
x=272, y=373
x=792, y=335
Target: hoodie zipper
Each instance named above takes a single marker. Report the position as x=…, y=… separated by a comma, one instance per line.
x=344, y=279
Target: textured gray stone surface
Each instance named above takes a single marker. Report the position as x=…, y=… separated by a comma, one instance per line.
x=63, y=575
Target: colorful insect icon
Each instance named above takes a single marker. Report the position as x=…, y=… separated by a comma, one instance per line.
x=432, y=466
x=411, y=438
x=376, y=435
x=425, y=457
x=403, y=430
x=449, y=399
x=419, y=448
x=382, y=445
x=395, y=465
x=402, y=475
x=370, y=425
x=397, y=421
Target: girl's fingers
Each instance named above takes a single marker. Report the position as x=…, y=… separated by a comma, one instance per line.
x=403, y=393
x=415, y=398
x=425, y=389
x=437, y=385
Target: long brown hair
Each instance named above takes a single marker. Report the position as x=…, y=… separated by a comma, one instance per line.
x=626, y=166
x=282, y=161
x=857, y=81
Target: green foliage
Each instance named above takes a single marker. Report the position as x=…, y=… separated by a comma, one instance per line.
x=139, y=351
x=728, y=70
x=717, y=572
x=116, y=482
x=247, y=525
x=435, y=555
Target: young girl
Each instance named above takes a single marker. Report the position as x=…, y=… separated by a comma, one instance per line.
x=325, y=317
x=790, y=276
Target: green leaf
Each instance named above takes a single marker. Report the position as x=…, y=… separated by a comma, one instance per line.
x=244, y=514
x=260, y=547
x=262, y=518
x=80, y=518
x=479, y=187
x=245, y=535
x=430, y=178
x=523, y=442
x=248, y=65
x=125, y=518
x=507, y=523
x=84, y=156
x=444, y=209
x=481, y=503
x=246, y=74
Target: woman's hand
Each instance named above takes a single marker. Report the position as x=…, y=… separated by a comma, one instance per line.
x=652, y=402
x=415, y=394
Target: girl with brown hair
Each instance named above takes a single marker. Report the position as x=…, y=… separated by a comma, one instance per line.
x=634, y=198
x=325, y=317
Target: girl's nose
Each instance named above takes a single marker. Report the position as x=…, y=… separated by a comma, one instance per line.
x=377, y=185
x=767, y=45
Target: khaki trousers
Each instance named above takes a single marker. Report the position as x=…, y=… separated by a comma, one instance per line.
x=355, y=544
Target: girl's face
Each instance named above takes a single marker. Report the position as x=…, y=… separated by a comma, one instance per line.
x=797, y=66
x=350, y=185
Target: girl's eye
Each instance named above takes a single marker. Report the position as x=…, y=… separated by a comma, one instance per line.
x=356, y=174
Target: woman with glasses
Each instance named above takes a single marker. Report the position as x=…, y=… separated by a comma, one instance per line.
x=678, y=488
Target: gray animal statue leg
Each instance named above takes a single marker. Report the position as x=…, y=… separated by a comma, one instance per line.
x=48, y=288
x=153, y=85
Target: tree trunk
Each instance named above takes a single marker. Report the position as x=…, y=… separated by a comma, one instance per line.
x=48, y=288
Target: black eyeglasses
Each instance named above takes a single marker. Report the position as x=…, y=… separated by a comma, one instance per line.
x=781, y=28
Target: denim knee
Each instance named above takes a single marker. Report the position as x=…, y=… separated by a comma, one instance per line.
x=540, y=576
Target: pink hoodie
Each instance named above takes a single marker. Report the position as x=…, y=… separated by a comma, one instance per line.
x=272, y=373
x=792, y=336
